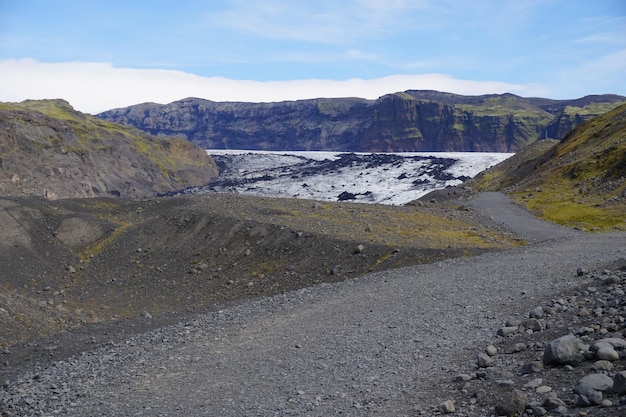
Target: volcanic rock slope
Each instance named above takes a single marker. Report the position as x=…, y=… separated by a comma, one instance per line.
x=50, y=150
x=407, y=121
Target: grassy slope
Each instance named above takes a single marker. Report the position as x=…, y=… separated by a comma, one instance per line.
x=578, y=182
x=176, y=160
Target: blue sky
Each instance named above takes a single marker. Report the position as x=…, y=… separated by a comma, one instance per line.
x=104, y=54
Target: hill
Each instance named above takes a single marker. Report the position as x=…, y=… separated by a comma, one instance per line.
x=48, y=149
x=406, y=121
x=579, y=181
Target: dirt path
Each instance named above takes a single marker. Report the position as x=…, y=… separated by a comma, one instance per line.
x=379, y=345
x=517, y=219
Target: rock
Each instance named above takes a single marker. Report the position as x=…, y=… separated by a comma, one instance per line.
x=519, y=347
x=447, y=407
x=536, y=313
x=615, y=342
x=512, y=404
x=589, y=395
x=513, y=323
x=359, y=249
x=484, y=360
x=552, y=403
x=607, y=353
x=507, y=331
x=562, y=351
x=538, y=410
x=533, y=384
x=599, y=382
x=602, y=365
x=606, y=403
x=531, y=368
x=491, y=350
x=619, y=383
x=463, y=378
x=544, y=389
x=71, y=269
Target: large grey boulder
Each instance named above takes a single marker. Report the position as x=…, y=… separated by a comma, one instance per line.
x=599, y=382
x=563, y=351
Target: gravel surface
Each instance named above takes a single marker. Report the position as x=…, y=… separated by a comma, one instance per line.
x=515, y=218
x=386, y=344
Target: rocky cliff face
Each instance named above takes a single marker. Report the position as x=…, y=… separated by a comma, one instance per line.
x=408, y=121
x=48, y=149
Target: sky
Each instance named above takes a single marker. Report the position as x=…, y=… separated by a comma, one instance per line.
x=100, y=55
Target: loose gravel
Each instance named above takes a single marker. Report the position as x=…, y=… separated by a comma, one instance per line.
x=415, y=341
x=388, y=343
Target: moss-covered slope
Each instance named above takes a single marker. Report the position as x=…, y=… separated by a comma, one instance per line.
x=48, y=149
x=579, y=181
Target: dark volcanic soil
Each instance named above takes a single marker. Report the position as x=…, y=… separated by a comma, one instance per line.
x=108, y=268
x=392, y=342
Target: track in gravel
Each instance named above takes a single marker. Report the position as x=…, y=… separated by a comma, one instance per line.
x=517, y=219
x=378, y=345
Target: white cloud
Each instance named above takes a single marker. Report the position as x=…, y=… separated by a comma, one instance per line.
x=95, y=87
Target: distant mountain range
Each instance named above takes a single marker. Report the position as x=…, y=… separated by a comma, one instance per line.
x=414, y=121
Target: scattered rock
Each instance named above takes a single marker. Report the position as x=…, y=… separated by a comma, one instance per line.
x=599, y=382
x=512, y=404
x=543, y=389
x=619, y=383
x=536, y=313
x=607, y=353
x=602, y=365
x=507, y=330
x=484, y=360
x=533, y=384
x=491, y=350
x=447, y=407
x=553, y=402
x=531, y=368
x=563, y=351
x=587, y=395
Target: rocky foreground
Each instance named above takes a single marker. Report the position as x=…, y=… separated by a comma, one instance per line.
x=479, y=336
x=528, y=370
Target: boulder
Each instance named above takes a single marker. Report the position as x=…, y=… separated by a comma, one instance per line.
x=563, y=351
x=512, y=404
x=599, y=382
x=588, y=395
x=619, y=383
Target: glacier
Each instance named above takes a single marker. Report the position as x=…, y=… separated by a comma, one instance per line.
x=378, y=178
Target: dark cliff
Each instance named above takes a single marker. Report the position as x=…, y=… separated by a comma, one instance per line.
x=408, y=121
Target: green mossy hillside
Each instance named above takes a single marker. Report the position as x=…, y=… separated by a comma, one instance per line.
x=49, y=149
x=579, y=181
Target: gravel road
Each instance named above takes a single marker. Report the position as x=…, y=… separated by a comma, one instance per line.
x=380, y=345
x=515, y=218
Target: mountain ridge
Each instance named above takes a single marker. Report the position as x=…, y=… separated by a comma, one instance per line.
x=414, y=120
